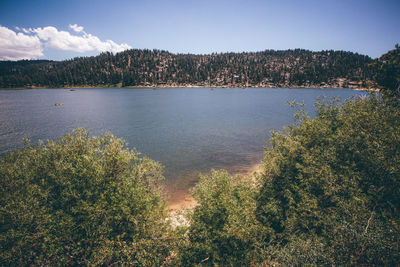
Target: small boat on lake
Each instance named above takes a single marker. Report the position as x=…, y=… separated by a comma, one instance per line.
x=58, y=104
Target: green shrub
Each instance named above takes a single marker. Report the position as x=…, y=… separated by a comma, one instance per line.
x=81, y=200
x=223, y=230
x=336, y=178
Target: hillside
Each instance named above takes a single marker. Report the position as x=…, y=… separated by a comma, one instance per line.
x=269, y=68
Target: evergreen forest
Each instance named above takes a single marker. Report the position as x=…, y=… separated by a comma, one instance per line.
x=269, y=68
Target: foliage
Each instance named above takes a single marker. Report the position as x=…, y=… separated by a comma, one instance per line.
x=81, y=200
x=223, y=230
x=388, y=72
x=335, y=179
x=136, y=67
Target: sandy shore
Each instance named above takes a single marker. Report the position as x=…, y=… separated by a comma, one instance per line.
x=188, y=202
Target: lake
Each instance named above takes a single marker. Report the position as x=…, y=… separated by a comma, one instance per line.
x=189, y=130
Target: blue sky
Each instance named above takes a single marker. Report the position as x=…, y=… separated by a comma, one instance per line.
x=203, y=26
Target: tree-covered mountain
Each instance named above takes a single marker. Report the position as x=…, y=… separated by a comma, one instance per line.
x=269, y=68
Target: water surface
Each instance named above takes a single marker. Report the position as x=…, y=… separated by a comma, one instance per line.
x=189, y=130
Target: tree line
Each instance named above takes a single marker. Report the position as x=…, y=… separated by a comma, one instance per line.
x=269, y=68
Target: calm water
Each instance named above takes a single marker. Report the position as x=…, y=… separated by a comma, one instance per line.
x=188, y=130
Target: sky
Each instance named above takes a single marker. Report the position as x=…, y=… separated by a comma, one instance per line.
x=59, y=30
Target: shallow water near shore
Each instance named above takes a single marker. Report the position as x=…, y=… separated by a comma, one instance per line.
x=189, y=130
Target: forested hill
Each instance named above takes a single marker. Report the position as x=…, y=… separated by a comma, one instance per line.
x=270, y=68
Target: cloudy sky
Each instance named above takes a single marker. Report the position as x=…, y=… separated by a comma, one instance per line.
x=60, y=30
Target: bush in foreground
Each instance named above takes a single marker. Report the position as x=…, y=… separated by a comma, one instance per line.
x=331, y=187
x=81, y=200
x=223, y=230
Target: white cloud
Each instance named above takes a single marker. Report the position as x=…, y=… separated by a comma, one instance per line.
x=27, y=30
x=14, y=46
x=17, y=46
x=63, y=40
x=76, y=28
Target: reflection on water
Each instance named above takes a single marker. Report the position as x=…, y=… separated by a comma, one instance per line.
x=188, y=130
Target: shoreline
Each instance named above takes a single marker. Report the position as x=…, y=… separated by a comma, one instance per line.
x=188, y=202
x=191, y=86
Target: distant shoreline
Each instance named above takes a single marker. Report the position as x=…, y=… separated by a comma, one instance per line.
x=189, y=86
